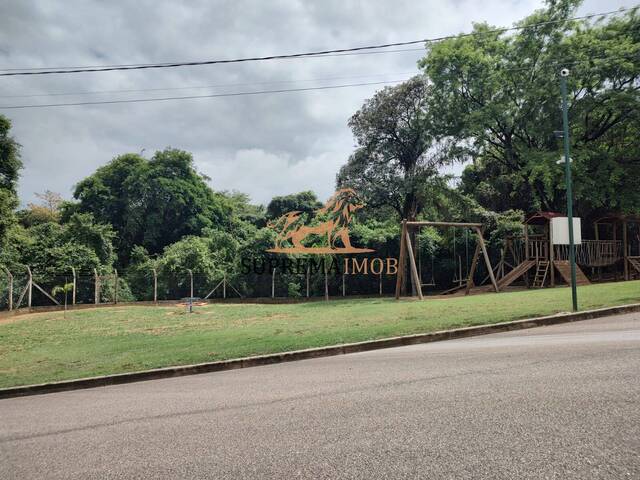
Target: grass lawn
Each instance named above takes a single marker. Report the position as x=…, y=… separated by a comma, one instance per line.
x=44, y=347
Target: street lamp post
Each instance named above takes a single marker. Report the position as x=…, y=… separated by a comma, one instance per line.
x=564, y=73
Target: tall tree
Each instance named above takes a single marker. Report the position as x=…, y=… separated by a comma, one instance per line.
x=498, y=95
x=10, y=166
x=152, y=203
x=396, y=151
x=305, y=202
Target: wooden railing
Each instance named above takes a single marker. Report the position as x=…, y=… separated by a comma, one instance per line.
x=538, y=249
x=592, y=253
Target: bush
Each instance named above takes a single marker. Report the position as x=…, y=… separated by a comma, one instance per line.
x=293, y=290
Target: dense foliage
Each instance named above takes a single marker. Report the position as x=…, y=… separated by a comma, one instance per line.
x=489, y=101
x=499, y=98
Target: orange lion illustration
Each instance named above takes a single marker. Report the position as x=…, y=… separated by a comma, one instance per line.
x=338, y=210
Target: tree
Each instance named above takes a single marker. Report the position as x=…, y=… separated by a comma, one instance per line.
x=152, y=203
x=305, y=202
x=64, y=289
x=397, y=152
x=82, y=229
x=10, y=165
x=48, y=210
x=497, y=94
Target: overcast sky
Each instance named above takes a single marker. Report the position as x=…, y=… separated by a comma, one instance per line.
x=262, y=145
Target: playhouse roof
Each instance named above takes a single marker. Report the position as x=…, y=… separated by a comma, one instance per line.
x=540, y=218
x=614, y=217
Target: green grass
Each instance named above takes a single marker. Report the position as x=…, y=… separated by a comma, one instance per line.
x=43, y=347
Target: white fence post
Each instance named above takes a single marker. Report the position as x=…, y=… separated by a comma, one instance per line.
x=191, y=277
x=96, y=287
x=10, y=296
x=155, y=285
x=30, y=294
x=73, y=293
x=273, y=283
x=326, y=281
x=115, y=288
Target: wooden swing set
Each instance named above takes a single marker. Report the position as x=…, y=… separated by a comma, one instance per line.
x=407, y=252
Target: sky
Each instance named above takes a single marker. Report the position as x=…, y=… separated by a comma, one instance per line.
x=263, y=145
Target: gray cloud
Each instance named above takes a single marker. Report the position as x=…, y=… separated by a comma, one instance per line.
x=263, y=145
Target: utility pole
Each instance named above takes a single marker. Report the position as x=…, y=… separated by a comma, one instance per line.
x=564, y=73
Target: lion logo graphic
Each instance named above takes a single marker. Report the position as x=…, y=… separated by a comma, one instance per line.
x=334, y=229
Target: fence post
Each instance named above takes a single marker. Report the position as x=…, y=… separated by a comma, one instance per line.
x=73, y=293
x=115, y=288
x=326, y=282
x=155, y=285
x=191, y=280
x=30, y=295
x=96, y=287
x=224, y=285
x=10, y=297
x=273, y=283
x=344, y=290
x=308, y=280
x=380, y=283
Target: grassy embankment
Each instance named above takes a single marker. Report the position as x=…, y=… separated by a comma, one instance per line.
x=44, y=347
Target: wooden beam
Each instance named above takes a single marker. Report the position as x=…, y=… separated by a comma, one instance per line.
x=472, y=270
x=401, y=259
x=486, y=259
x=412, y=264
x=444, y=224
x=625, y=253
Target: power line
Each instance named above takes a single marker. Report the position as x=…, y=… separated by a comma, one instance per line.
x=62, y=70
x=235, y=94
x=498, y=71
x=374, y=52
x=198, y=87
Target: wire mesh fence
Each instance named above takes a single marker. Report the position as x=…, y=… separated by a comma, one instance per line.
x=86, y=289
x=32, y=288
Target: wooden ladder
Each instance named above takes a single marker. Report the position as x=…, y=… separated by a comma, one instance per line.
x=541, y=274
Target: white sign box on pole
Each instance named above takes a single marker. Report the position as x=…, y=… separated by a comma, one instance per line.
x=560, y=231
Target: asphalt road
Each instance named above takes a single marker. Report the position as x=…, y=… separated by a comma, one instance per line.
x=552, y=402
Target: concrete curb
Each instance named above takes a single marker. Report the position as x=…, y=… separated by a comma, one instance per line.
x=246, y=362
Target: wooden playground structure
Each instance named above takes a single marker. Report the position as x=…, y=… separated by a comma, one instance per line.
x=407, y=253
x=535, y=258
x=538, y=253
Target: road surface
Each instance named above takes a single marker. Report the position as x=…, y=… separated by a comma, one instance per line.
x=551, y=402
